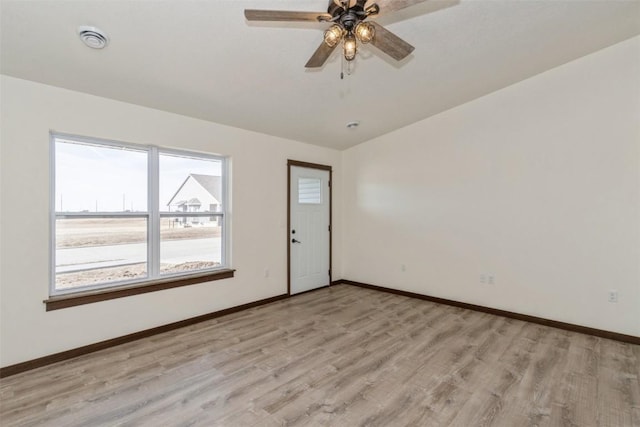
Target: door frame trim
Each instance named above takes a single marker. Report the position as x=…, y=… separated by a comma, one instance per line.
x=309, y=166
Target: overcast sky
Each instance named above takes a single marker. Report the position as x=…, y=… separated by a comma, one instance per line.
x=103, y=179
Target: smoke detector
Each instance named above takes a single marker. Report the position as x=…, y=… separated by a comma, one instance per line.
x=93, y=37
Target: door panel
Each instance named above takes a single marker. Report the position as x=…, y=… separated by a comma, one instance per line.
x=309, y=231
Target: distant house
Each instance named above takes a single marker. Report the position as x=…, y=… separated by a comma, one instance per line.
x=197, y=193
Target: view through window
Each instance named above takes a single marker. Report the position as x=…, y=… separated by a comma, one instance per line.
x=124, y=214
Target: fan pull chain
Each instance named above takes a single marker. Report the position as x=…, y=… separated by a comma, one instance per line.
x=342, y=68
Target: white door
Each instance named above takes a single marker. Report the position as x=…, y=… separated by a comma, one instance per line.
x=309, y=232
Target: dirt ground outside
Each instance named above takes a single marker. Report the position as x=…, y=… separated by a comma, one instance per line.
x=85, y=232
x=93, y=232
x=127, y=272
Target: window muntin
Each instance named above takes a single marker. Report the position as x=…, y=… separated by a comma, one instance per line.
x=105, y=236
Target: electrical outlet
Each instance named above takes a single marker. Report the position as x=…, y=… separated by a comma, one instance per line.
x=403, y=267
x=491, y=279
x=483, y=278
x=613, y=295
x=266, y=273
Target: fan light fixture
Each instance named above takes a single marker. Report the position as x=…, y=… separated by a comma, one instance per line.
x=333, y=35
x=350, y=47
x=365, y=32
x=350, y=33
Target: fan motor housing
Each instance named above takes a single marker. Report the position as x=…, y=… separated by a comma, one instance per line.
x=349, y=16
x=335, y=9
x=349, y=20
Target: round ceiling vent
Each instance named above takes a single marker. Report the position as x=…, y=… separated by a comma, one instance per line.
x=93, y=37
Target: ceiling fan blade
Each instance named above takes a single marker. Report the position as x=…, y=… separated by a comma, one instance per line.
x=389, y=43
x=392, y=5
x=285, y=15
x=320, y=56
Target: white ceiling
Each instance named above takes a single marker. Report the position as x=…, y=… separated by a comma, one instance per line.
x=201, y=58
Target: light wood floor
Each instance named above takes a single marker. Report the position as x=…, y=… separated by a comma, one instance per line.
x=341, y=356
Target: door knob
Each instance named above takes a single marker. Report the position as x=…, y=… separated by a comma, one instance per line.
x=295, y=241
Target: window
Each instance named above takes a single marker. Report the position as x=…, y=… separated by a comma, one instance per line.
x=124, y=214
x=310, y=191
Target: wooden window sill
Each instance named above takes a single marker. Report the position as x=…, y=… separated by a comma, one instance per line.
x=89, y=297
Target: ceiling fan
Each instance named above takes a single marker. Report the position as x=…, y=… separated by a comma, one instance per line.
x=350, y=25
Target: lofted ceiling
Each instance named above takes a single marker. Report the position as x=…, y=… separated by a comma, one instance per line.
x=201, y=58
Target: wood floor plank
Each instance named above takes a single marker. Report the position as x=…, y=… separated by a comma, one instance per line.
x=340, y=356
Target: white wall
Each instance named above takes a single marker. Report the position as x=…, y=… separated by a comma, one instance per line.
x=259, y=180
x=538, y=184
